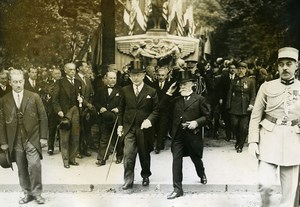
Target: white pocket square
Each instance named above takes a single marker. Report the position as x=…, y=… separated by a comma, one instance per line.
x=148, y=96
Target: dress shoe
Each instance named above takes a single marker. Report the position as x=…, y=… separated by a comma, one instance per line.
x=26, y=199
x=127, y=186
x=74, y=163
x=145, y=182
x=100, y=162
x=118, y=161
x=50, y=152
x=236, y=146
x=175, y=194
x=79, y=156
x=203, y=179
x=66, y=165
x=156, y=151
x=86, y=154
x=239, y=150
x=39, y=199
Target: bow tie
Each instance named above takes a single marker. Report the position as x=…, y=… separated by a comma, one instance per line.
x=287, y=82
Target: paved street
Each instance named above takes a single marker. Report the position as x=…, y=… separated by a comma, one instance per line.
x=231, y=182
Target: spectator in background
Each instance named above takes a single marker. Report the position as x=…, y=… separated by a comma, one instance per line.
x=240, y=101
x=162, y=84
x=4, y=84
x=107, y=102
x=53, y=119
x=87, y=92
x=66, y=101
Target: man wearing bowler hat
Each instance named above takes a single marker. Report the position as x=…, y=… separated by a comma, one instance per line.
x=274, y=134
x=138, y=112
x=23, y=123
x=189, y=112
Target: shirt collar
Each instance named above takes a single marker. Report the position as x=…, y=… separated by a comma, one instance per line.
x=288, y=82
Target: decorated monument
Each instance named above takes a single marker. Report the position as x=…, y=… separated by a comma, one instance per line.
x=160, y=32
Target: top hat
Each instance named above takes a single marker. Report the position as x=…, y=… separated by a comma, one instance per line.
x=65, y=123
x=136, y=66
x=5, y=161
x=185, y=76
x=108, y=117
x=288, y=52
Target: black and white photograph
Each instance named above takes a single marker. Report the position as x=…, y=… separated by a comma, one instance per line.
x=153, y=103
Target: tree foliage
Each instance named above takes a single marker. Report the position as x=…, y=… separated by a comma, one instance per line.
x=45, y=31
x=41, y=31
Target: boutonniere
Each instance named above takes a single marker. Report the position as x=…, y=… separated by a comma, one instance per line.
x=148, y=96
x=79, y=87
x=117, y=94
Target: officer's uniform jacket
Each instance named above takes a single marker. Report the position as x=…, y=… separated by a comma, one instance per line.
x=274, y=123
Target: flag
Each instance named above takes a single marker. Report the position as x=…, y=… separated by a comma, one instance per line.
x=207, y=44
x=188, y=20
x=147, y=10
x=139, y=15
x=126, y=17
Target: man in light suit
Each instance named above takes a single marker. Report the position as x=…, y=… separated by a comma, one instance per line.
x=66, y=100
x=87, y=93
x=23, y=122
x=189, y=112
x=138, y=112
x=274, y=132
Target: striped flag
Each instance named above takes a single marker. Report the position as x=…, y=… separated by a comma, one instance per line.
x=188, y=19
x=147, y=10
x=126, y=17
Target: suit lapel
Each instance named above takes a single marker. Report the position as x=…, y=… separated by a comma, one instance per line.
x=142, y=94
x=24, y=102
x=190, y=101
x=66, y=85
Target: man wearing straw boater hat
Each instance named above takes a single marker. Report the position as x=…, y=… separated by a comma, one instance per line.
x=274, y=134
x=189, y=112
x=138, y=112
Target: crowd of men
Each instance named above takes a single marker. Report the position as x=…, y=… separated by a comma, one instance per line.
x=135, y=110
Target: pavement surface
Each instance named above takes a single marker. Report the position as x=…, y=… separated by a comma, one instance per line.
x=232, y=177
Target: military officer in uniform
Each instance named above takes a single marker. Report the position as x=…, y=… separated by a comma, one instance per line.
x=274, y=134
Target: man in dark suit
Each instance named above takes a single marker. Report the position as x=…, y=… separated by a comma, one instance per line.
x=189, y=113
x=31, y=83
x=138, y=112
x=53, y=119
x=87, y=93
x=107, y=102
x=4, y=86
x=223, y=88
x=161, y=85
x=23, y=122
x=66, y=101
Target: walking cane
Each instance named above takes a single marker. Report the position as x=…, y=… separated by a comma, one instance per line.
x=110, y=138
x=112, y=158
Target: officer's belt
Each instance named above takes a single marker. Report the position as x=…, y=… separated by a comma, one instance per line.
x=282, y=121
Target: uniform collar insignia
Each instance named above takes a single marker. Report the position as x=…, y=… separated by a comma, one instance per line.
x=287, y=82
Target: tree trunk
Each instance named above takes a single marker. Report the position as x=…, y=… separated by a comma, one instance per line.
x=108, y=31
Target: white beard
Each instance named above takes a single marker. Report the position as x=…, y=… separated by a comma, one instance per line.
x=185, y=92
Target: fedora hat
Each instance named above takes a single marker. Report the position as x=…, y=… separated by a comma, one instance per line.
x=185, y=75
x=5, y=161
x=136, y=66
x=108, y=117
x=65, y=123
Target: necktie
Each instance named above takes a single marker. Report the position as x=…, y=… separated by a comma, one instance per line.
x=18, y=101
x=160, y=85
x=71, y=80
x=137, y=91
x=83, y=78
x=33, y=83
